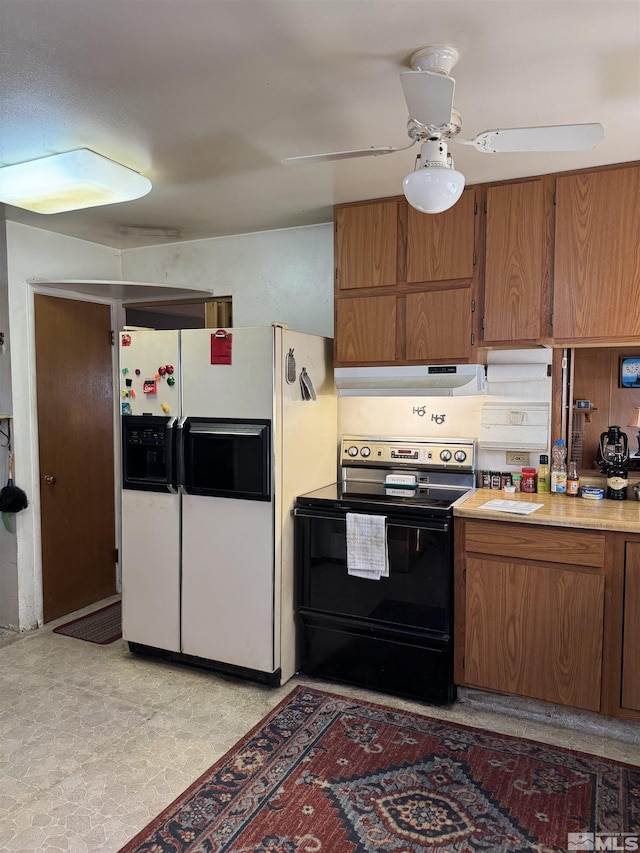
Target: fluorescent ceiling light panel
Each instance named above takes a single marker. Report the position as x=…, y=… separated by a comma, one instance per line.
x=69, y=181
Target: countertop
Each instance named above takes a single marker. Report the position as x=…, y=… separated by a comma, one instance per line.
x=558, y=510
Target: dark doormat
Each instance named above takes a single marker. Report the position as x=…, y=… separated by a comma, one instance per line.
x=102, y=626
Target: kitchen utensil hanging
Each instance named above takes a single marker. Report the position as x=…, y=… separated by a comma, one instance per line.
x=306, y=385
x=290, y=367
x=12, y=498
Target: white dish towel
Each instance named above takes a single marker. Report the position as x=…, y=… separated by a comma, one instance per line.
x=367, y=555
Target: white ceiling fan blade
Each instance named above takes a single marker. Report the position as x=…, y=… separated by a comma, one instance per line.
x=343, y=155
x=560, y=137
x=429, y=96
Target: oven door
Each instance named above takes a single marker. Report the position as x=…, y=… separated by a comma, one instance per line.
x=417, y=594
x=225, y=458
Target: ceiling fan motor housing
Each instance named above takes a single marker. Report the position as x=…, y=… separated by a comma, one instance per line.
x=434, y=153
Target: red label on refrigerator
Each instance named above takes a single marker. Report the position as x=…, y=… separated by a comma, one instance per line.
x=221, y=347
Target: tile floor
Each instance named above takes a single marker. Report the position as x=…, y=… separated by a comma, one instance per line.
x=94, y=741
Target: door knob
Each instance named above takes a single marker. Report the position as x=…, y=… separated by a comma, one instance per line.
x=49, y=479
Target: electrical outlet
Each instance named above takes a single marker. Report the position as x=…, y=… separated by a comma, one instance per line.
x=517, y=457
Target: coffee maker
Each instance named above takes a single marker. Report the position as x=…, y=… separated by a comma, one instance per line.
x=613, y=446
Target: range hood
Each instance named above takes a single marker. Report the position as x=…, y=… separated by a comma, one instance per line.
x=424, y=380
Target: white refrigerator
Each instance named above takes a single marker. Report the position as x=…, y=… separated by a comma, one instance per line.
x=222, y=429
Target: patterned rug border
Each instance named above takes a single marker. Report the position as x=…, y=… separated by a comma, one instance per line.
x=63, y=630
x=132, y=845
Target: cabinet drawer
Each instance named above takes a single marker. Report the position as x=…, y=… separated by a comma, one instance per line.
x=528, y=542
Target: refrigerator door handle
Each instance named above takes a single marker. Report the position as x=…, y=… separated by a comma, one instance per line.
x=180, y=472
x=170, y=455
x=227, y=430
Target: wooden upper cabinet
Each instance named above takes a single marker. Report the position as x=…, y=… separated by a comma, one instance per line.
x=440, y=247
x=366, y=241
x=517, y=262
x=438, y=324
x=365, y=330
x=597, y=256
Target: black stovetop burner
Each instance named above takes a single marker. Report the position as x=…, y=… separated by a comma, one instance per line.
x=363, y=497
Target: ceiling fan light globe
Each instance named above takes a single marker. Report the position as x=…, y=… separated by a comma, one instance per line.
x=433, y=189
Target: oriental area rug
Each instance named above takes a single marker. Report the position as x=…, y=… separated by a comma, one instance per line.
x=327, y=774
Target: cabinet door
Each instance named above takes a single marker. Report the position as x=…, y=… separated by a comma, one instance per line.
x=597, y=264
x=534, y=631
x=438, y=324
x=517, y=251
x=366, y=245
x=440, y=247
x=631, y=636
x=365, y=330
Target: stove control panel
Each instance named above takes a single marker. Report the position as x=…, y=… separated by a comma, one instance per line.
x=456, y=453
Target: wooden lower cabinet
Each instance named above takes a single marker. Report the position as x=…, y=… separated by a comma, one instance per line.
x=630, y=698
x=535, y=631
x=530, y=605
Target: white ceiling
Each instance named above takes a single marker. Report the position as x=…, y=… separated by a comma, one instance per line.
x=205, y=97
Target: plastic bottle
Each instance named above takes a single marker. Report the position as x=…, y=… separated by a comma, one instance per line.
x=559, y=468
x=544, y=475
x=573, y=480
x=617, y=477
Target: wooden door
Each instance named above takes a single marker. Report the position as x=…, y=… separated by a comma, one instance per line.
x=75, y=425
x=440, y=247
x=366, y=238
x=631, y=637
x=516, y=279
x=596, y=262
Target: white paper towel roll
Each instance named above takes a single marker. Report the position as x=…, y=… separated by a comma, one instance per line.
x=523, y=372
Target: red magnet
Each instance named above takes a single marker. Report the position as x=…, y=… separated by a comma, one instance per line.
x=162, y=370
x=169, y=369
x=125, y=340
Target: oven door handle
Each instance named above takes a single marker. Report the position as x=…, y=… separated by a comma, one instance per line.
x=339, y=515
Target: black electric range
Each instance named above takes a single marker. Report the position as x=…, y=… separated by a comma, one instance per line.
x=392, y=629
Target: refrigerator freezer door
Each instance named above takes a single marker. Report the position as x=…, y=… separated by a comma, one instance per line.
x=151, y=569
x=242, y=389
x=227, y=581
x=150, y=372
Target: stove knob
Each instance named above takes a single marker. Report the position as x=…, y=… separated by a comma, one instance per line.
x=460, y=456
x=365, y=451
x=353, y=450
x=445, y=455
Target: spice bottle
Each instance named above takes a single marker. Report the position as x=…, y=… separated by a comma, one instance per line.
x=573, y=481
x=528, y=480
x=544, y=475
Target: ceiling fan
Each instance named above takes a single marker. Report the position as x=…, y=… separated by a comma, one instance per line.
x=428, y=88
